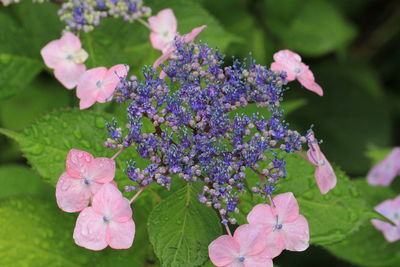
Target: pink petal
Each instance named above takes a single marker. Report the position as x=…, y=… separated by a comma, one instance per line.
x=236, y=263
x=261, y=214
x=90, y=230
x=385, y=171
x=286, y=55
x=69, y=73
x=191, y=35
x=120, y=235
x=251, y=238
x=260, y=260
x=296, y=234
x=391, y=233
x=290, y=76
x=70, y=41
x=324, y=173
x=122, y=211
x=290, y=62
x=286, y=207
x=275, y=243
x=159, y=42
x=101, y=170
x=52, y=54
x=325, y=176
x=72, y=194
x=88, y=83
x=87, y=100
x=390, y=209
x=109, y=201
x=110, y=82
x=164, y=29
x=223, y=250
x=165, y=20
x=307, y=80
x=78, y=162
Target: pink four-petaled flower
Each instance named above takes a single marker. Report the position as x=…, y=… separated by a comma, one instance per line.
x=385, y=171
x=290, y=62
x=99, y=84
x=108, y=222
x=85, y=176
x=390, y=209
x=163, y=29
x=163, y=32
x=246, y=248
x=324, y=173
x=289, y=228
x=65, y=56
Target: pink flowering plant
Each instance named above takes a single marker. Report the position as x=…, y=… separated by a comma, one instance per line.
x=160, y=149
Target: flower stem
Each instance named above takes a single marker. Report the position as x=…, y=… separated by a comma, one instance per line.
x=137, y=194
x=228, y=230
x=144, y=23
x=118, y=152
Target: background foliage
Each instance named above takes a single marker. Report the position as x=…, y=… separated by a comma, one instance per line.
x=352, y=48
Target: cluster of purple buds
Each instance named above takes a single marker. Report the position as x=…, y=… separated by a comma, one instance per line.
x=86, y=14
x=199, y=132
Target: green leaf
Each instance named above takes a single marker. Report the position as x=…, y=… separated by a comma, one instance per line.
x=46, y=143
x=43, y=234
x=20, y=180
x=331, y=217
x=41, y=96
x=368, y=247
x=181, y=228
x=16, y=73
x=35, y=233
x=317, y=28
x=37, y=32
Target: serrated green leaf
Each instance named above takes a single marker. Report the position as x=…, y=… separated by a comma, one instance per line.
x=181, y=228
x=46, y=143
x=18, y=180
x=331, y=217
x=368, y=247
x=35, y=233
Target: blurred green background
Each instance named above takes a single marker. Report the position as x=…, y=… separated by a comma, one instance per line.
x=351, y=46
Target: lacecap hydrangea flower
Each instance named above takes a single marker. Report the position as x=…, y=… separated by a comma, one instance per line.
x=390, y=209
x=199, y=135
x=66, y=57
